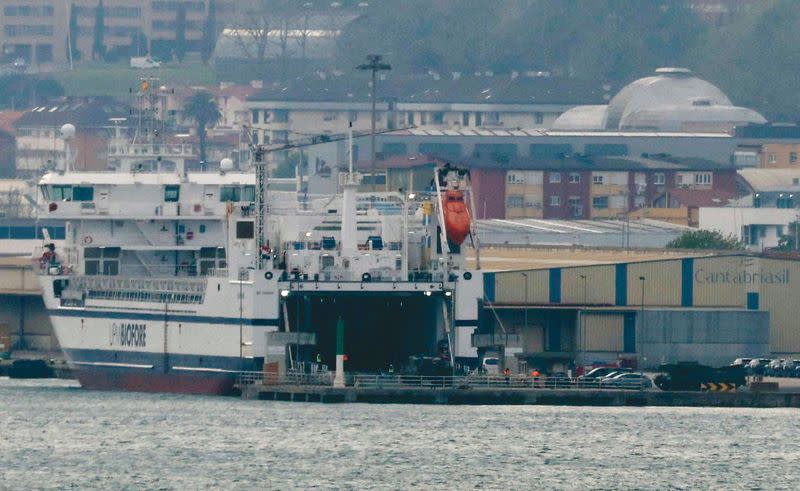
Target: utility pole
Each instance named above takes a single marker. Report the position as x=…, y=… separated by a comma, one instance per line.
x=374, y=64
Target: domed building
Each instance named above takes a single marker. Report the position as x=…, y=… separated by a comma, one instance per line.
x=672, y=100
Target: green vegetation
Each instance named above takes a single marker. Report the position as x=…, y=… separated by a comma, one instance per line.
x=706, y=239
x=203, y=109
x=116, y=79
x=752, y=54
x=23, y=91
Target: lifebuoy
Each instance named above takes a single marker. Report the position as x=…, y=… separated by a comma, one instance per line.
x=87, y=239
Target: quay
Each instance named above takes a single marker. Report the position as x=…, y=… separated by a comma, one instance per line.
x=457, y=393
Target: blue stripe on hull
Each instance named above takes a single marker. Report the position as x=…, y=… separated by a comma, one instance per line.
x=107, y=314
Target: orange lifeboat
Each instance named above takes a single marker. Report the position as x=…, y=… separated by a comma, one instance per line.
x=456, y=217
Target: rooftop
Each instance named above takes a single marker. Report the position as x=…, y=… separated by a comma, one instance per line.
x=84, y=112
x=764, y=180
x=467, y=89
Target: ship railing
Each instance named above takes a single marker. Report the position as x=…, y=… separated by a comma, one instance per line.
x=195, y=286
x=400, y=381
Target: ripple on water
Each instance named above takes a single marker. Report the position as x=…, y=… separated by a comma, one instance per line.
x=56, y=436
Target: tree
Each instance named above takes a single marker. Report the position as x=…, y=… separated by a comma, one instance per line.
x=706, y=239
x=203, y=109
x=180, y=32
x=209, y=33
x=98, y=48
x=788, y=242
x=72, y=42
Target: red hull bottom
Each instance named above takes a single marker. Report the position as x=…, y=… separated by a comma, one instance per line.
x=183, y=383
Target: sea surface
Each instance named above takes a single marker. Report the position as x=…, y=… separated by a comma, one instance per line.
x=54, y=435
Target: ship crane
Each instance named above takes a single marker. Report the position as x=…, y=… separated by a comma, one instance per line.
x=259, y=162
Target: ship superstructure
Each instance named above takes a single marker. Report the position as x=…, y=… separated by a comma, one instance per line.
x=171, y=280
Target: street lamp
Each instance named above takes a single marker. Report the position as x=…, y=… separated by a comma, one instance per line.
x=525, y=275
x=642, y=278
x=375, y=65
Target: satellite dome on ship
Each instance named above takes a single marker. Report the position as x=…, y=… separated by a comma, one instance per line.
x=673, y=99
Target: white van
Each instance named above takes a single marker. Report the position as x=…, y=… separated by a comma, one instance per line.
x=144, y=62
x=491, y=365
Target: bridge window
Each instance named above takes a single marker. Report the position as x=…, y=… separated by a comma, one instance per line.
x=244, y=230
x=172, y=193
x=62, y=193
x=101, y=260
x=212, y=258
x=82, y=193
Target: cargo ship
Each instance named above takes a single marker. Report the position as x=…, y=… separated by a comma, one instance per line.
x=170, y=280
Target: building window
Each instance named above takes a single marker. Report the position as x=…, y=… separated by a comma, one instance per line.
x=513, y=178
x=702, y=178
x=597, y=179
x=437, y=117
x=574, y=178
x=555, y=200
x=600, y=202
x=353, y=115
x=255, y=116
x=607, y=149
x=330, y=116
x=394, y=148
x=550, y=150
x=465, y=118
x=478, y=119
x=515, y=202
x=757, y=201
x=659, y=179
x=792, y=157
x=538, y=118
x=555, y=177
x=784, y=202
x=441, y=149
x=772, y=158
x=44, y=53
x=410, y=118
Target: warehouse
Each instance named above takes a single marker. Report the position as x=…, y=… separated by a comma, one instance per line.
x=710, y=309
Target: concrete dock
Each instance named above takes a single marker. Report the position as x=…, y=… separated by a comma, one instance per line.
x=516, y=396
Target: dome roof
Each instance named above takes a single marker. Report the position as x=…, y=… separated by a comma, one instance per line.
x=671, y=87
x=671, y=100
x=582, y=118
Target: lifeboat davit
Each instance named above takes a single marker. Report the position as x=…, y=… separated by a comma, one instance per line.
x=456, y=217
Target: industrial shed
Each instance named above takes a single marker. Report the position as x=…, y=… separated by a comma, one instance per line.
x=710, y=309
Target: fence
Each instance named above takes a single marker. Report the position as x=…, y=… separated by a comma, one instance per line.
x=385, y=381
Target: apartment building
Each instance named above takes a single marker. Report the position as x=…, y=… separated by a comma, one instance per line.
x=37, y=31
x=38, y=140
x=326, y=104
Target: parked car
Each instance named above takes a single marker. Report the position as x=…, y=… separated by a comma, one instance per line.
x=773, y=368
x=144, y=62
x=741, y=361
x=491, y=365
x=627, y=380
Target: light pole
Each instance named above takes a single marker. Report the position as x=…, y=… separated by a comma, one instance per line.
x=583, y=321
x=642, y=278
x=525, y=275
x=374, y=64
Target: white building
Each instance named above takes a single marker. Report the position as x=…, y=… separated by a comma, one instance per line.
x=758, y=228
x=326, y=104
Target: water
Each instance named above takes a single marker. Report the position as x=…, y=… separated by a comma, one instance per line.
x=54, y=435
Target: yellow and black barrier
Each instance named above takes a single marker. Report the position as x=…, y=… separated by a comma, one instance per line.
x=718, y=387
